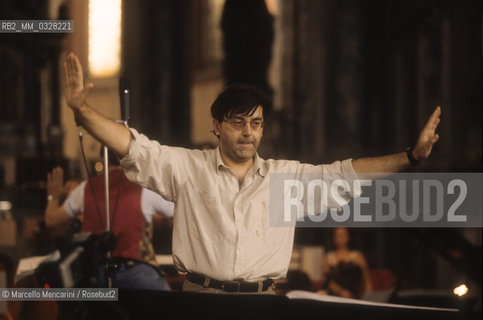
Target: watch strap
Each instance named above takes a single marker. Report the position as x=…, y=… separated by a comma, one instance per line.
x=412, y=160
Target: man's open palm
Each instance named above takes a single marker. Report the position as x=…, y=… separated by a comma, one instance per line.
x=75, y=92
x=428, y=136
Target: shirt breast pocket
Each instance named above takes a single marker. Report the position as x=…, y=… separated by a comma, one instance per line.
x=207, y=222
x=205, y=199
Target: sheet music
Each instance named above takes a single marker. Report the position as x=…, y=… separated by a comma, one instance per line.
x=27, y=266
x=299, y=294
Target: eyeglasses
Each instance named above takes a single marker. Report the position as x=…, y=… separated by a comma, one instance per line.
x=240, y=124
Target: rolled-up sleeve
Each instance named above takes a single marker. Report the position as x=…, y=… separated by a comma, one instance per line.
x=351, y=176
x=74, y=203
x=151, y=165
x=341, y=174
x=340, y=179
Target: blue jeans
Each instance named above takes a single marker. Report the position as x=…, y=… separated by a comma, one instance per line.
x=138, y=276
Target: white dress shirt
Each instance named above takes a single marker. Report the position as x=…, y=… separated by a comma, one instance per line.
x=221, y=230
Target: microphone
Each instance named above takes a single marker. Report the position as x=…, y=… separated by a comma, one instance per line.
x=77, y=122
x=124, y=96
x=78, y=125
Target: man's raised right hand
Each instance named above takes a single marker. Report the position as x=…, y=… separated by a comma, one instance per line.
x=75, y=92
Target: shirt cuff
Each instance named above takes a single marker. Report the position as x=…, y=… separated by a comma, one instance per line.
x=134, y=148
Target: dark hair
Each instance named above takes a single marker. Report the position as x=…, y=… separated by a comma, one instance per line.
x=240, y=99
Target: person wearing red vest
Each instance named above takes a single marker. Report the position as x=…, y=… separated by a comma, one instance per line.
x=131, y=210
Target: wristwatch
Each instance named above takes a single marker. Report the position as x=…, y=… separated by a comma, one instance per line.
x=412, y=160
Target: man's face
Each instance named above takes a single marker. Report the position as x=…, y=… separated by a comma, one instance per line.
x=239, y=137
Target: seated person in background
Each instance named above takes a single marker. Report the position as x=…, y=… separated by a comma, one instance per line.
x=344, y=271
x=58, y=232
x=131, y=210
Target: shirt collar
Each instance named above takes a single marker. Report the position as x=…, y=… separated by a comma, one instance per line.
x=218, y=161
x=258, y=163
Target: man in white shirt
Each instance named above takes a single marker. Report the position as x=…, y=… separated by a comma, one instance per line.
x=131, y=213
x=221, y=235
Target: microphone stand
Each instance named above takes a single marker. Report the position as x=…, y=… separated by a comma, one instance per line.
x=124, y=95
x=108, y=265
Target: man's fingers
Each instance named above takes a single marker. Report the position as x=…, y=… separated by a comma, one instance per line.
x=72, y=66
x=435, y=123
x=69, y=73
x=69, y=65
x=435, y=115
x=433, y=120
x=428, y=136
x=435, y=138
x=66, y=75
x=77, y=66
x=58, y=173
x=87, y=88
